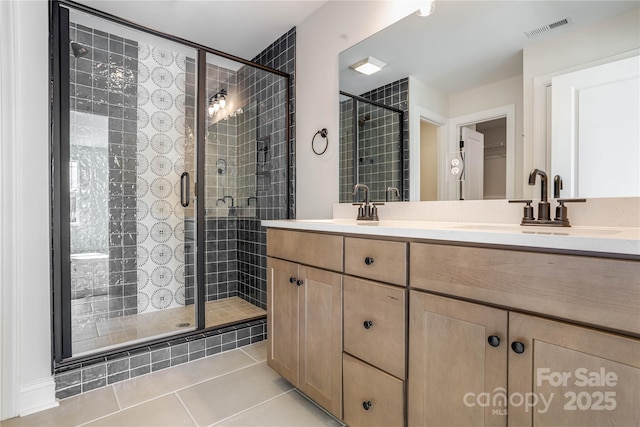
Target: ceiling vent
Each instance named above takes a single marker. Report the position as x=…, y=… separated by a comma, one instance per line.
x=537, y=32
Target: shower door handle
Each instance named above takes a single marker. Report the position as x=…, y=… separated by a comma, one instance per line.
x=184, y=189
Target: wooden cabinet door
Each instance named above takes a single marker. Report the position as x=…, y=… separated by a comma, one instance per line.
x=283, y=318
x=452, y=366
x=571, y=376
x=321, y=338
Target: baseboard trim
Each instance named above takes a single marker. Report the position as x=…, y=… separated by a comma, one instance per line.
x=38, y=397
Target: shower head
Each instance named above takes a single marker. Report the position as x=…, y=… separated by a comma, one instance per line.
x=78, y=50
x=363, y=120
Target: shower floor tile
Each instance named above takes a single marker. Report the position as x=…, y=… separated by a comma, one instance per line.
x=90, y=337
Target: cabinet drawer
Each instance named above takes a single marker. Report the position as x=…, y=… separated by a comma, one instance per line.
x=382, y=341
x=318, y=250
x=376, y=259
x=597, y=291
x=382, y=393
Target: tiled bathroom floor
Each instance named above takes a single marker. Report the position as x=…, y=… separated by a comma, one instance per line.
x=235, y=388
x=110, y=332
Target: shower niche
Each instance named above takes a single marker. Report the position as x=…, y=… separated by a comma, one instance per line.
x=161, y=199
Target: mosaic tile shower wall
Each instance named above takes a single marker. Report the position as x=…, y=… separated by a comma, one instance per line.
x=161, y=150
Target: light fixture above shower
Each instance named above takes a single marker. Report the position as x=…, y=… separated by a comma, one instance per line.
x=368, y=65
x=217, y=102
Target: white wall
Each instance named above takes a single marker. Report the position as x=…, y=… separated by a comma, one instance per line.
x=320, y=38
x=27, y=384
x=612, y=37
x=427, y=98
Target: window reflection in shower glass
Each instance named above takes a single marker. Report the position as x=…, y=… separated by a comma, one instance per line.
x=132, y=130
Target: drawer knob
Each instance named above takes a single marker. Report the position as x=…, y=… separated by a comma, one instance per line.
x=518, y=347
x=366, y=405
x=494, y=340
x=300, y=282
x=368, y=260
x=292, y=279
x=367, y=324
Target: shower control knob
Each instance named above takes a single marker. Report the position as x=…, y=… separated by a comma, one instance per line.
x=368, y=260
x=367, y=324
x=292, y=279
x=300, y=282
x=366, y=405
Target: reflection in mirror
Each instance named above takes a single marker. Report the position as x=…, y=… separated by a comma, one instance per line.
x=370, y=148
x=456, y=79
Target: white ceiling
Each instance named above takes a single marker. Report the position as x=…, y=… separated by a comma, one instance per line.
x=465, y=44
x=242, y=28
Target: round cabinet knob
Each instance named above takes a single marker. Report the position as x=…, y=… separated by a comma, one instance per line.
x=518, y=347
x=493, y=340
x=368, y=260
x=300, y=282
x=367, y=324
x=366, y=405
x=292, y=280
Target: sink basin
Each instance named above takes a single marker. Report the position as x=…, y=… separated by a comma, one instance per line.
x=556, y=231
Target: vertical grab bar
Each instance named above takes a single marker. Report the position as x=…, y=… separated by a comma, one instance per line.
x=184, y=189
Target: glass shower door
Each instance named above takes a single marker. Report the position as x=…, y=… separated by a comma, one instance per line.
x=131, y=199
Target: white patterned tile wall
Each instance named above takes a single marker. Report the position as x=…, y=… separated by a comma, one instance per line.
x=161, y=161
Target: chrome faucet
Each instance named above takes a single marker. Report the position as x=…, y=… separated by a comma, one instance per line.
x=392, y=190
x=366, y=211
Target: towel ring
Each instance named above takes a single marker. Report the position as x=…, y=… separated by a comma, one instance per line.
x=323, y=134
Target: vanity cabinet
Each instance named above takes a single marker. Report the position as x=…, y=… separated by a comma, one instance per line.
x=587, y=377
x=460, y=356
x=457, y=353
x=497, y=336
x=374, y=361
x=559, y=373
x=304, y=315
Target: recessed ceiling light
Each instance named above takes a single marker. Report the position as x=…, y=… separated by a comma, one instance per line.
x=368, y=65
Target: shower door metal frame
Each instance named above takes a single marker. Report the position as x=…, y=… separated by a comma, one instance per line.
x=356, y=137
x=60, y=120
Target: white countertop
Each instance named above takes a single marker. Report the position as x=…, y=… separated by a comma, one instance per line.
x=605, y=240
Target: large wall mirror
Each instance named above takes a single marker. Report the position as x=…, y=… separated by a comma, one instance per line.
x=490, y=89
